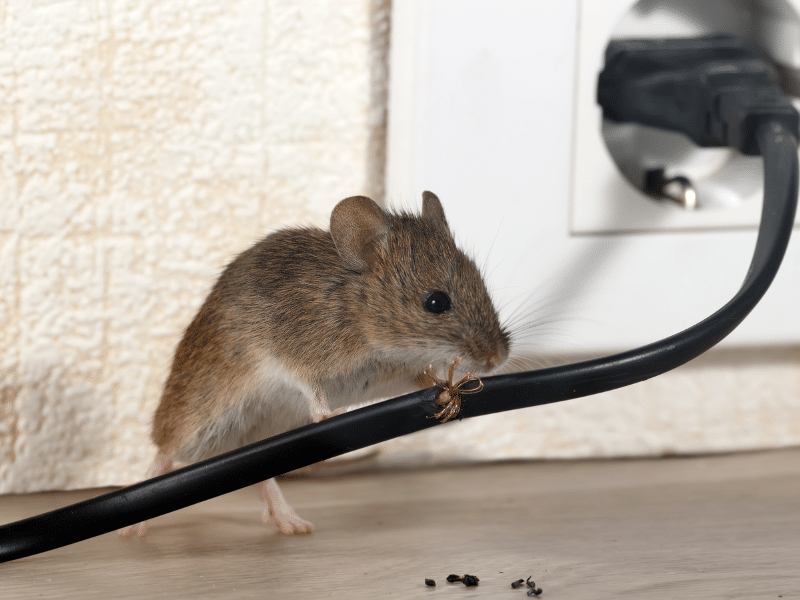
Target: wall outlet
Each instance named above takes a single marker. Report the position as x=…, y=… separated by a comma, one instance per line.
x=492, y=106
x=728, y=184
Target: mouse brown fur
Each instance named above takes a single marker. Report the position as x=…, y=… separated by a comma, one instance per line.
x=307, y=322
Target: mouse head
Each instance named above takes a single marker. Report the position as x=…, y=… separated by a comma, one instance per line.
x=418, y=297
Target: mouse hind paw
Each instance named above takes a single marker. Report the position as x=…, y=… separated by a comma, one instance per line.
x=161, y=464
x=275, y=508
x=137, y=530
x=288, y=523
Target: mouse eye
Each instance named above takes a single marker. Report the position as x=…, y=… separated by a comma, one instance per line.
x=437, y=302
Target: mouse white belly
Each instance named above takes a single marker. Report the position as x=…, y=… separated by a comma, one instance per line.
x=272, y=402
x=275, y=401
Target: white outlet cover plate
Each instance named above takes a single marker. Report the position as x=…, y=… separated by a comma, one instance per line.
x=487, y=102
x=623, y=208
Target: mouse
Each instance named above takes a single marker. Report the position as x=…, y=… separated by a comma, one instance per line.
x=308, y=322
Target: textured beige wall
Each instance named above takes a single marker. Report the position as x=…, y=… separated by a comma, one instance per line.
x=144, y=143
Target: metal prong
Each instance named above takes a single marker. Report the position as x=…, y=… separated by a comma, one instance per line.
x=678, y=189
x=681, y=190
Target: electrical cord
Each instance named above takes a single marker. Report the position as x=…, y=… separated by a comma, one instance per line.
x=776, y=140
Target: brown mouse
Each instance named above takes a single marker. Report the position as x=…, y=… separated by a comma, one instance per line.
x=308, y=322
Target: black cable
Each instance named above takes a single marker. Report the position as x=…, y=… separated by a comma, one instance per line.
x=407, y=414
x=413, y=412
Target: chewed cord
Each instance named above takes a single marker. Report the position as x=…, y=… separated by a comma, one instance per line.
x=400, y=416
x=450, y=396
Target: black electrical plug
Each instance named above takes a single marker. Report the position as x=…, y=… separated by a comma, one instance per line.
x=715, y=89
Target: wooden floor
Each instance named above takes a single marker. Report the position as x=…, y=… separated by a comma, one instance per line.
x=709, y=527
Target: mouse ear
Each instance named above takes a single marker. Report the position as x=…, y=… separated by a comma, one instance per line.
x=433, y=211
x=359, y=229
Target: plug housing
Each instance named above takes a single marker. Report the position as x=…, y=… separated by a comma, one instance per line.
x=715, y=89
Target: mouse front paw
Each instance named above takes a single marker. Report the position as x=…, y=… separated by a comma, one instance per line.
x=329, y=414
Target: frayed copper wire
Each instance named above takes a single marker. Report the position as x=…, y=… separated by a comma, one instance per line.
x=450, y=396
